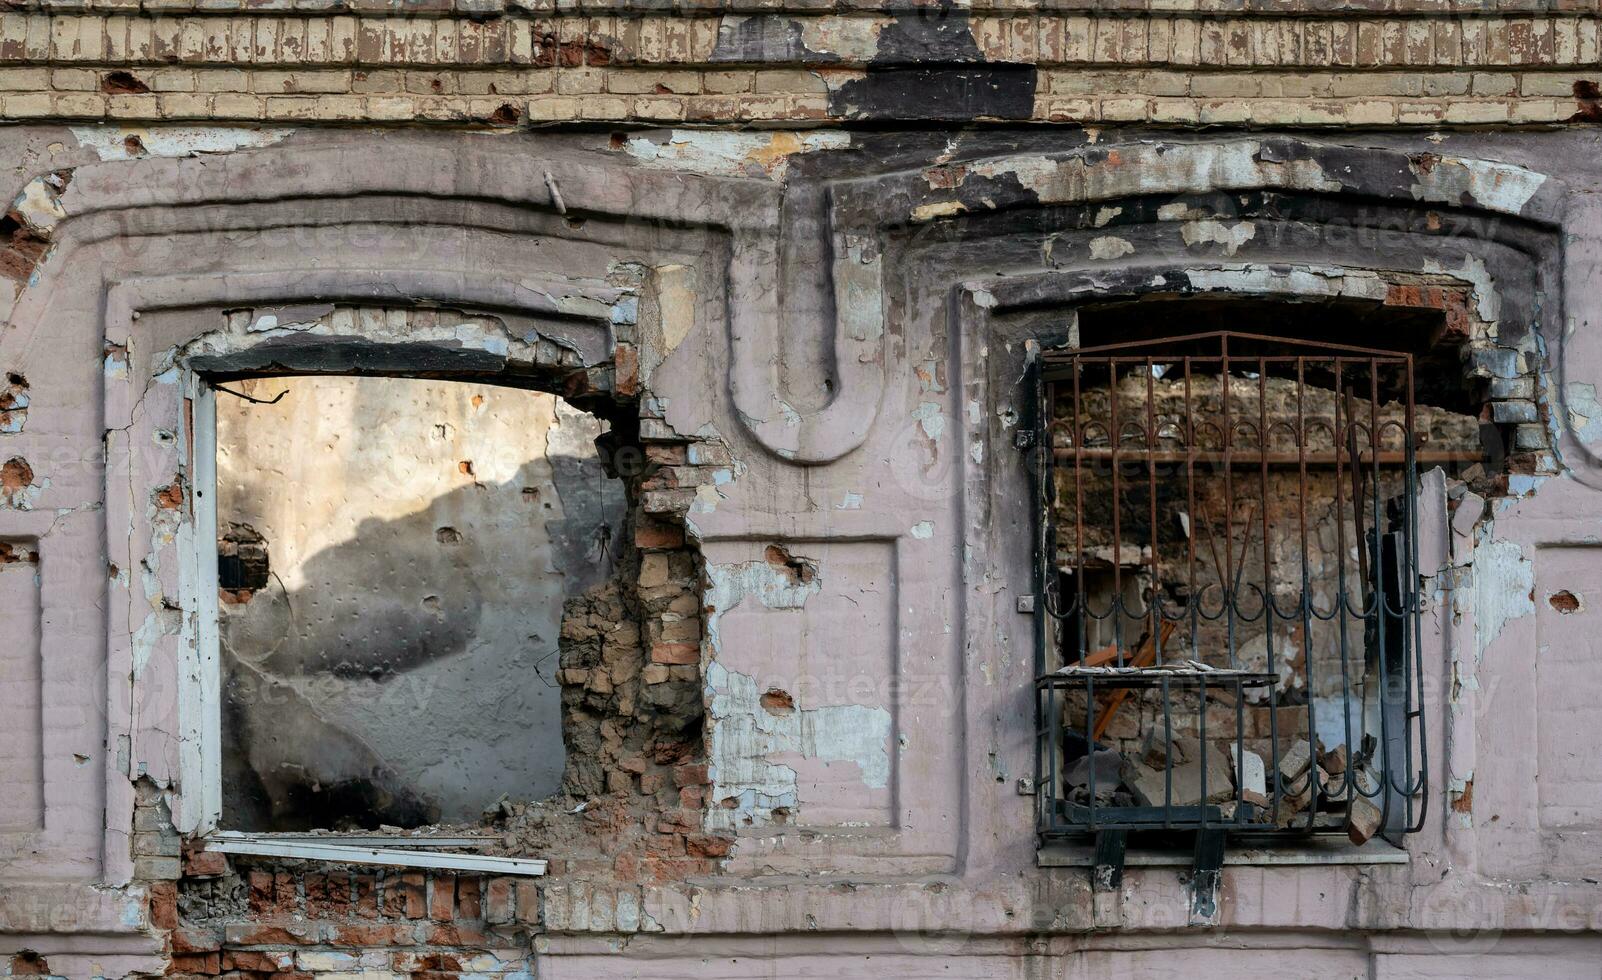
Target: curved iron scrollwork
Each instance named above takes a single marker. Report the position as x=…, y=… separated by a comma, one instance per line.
x=1229, y=631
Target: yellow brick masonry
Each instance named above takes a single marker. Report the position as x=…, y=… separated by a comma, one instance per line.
x=503, y=98
x=486, y=8
x=1362, y=64
x=263, y=40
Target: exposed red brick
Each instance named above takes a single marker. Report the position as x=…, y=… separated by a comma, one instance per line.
x=261, y=892
x=328, y=895
x=171, y=496
x=437, y=961
x=203, y=963
x=413, y=886
x=15, y=474
x=164, y=904
x=626, y=365
x=498, y=901
x=676, y=869
x=277, y=935
x=286, y=894
x=442, y=898
x=186, y=939
x=1564, y=602
x=666, y=455
x=799, y=570
x=245, y=959
x=658, y=535
x=665, y=845
x=455, y=934
x=394, y=901
x=204, y=864
x=21, y=247
x=1588, y=99
x=777, y=702
x=706, y=845
x=691, y=774
x=528, y=902
x=29, y=964
x=373, y=934
x=675, y=653
x=366, y=904
x=469, y=904
x=634, y=763
x=678, y=822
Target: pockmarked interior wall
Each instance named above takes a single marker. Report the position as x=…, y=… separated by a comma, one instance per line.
x=420, y=538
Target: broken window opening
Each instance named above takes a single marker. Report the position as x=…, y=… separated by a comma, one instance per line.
x=394, y=558
x=1229, y=564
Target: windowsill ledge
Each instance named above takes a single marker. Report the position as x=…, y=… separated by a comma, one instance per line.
x=299, y=846
x=1313, y=852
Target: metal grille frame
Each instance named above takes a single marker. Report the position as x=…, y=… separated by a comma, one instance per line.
x=1369, y=442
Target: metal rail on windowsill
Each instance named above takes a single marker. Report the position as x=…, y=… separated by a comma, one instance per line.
x=309, y=848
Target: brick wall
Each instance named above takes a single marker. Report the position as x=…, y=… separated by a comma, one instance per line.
x=1312, y=64
x=288, y=921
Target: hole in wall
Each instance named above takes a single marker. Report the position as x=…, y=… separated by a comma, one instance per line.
x=375, y=678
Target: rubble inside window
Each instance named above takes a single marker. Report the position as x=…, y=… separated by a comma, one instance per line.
x=1230, y=575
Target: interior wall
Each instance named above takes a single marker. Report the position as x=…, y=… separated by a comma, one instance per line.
x=422, y=537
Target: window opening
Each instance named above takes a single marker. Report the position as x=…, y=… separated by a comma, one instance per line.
x=1229, y=567
x=393, y=559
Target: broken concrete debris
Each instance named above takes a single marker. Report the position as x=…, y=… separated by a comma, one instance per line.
x=1205, y=778
x=1251, y=777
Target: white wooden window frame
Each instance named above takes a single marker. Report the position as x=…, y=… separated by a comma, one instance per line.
x=200, y=698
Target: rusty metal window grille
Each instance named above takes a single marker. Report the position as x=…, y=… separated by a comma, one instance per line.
x=1228, y=637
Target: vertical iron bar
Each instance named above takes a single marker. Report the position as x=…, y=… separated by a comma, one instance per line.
x=1151, y=480
x=1416, y=615
x=1225, y=585
x=1117, y=437
x=1378, y=572
x=1343, y=609
x=1190, y=514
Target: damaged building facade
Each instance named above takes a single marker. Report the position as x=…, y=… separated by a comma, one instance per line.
x=730, y=489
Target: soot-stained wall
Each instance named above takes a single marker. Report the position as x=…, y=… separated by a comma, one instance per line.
x=421, y=536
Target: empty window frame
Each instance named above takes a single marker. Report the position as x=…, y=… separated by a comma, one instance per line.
x=390, y=558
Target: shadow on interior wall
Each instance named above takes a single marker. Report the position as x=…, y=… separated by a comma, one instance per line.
x=399, y=595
